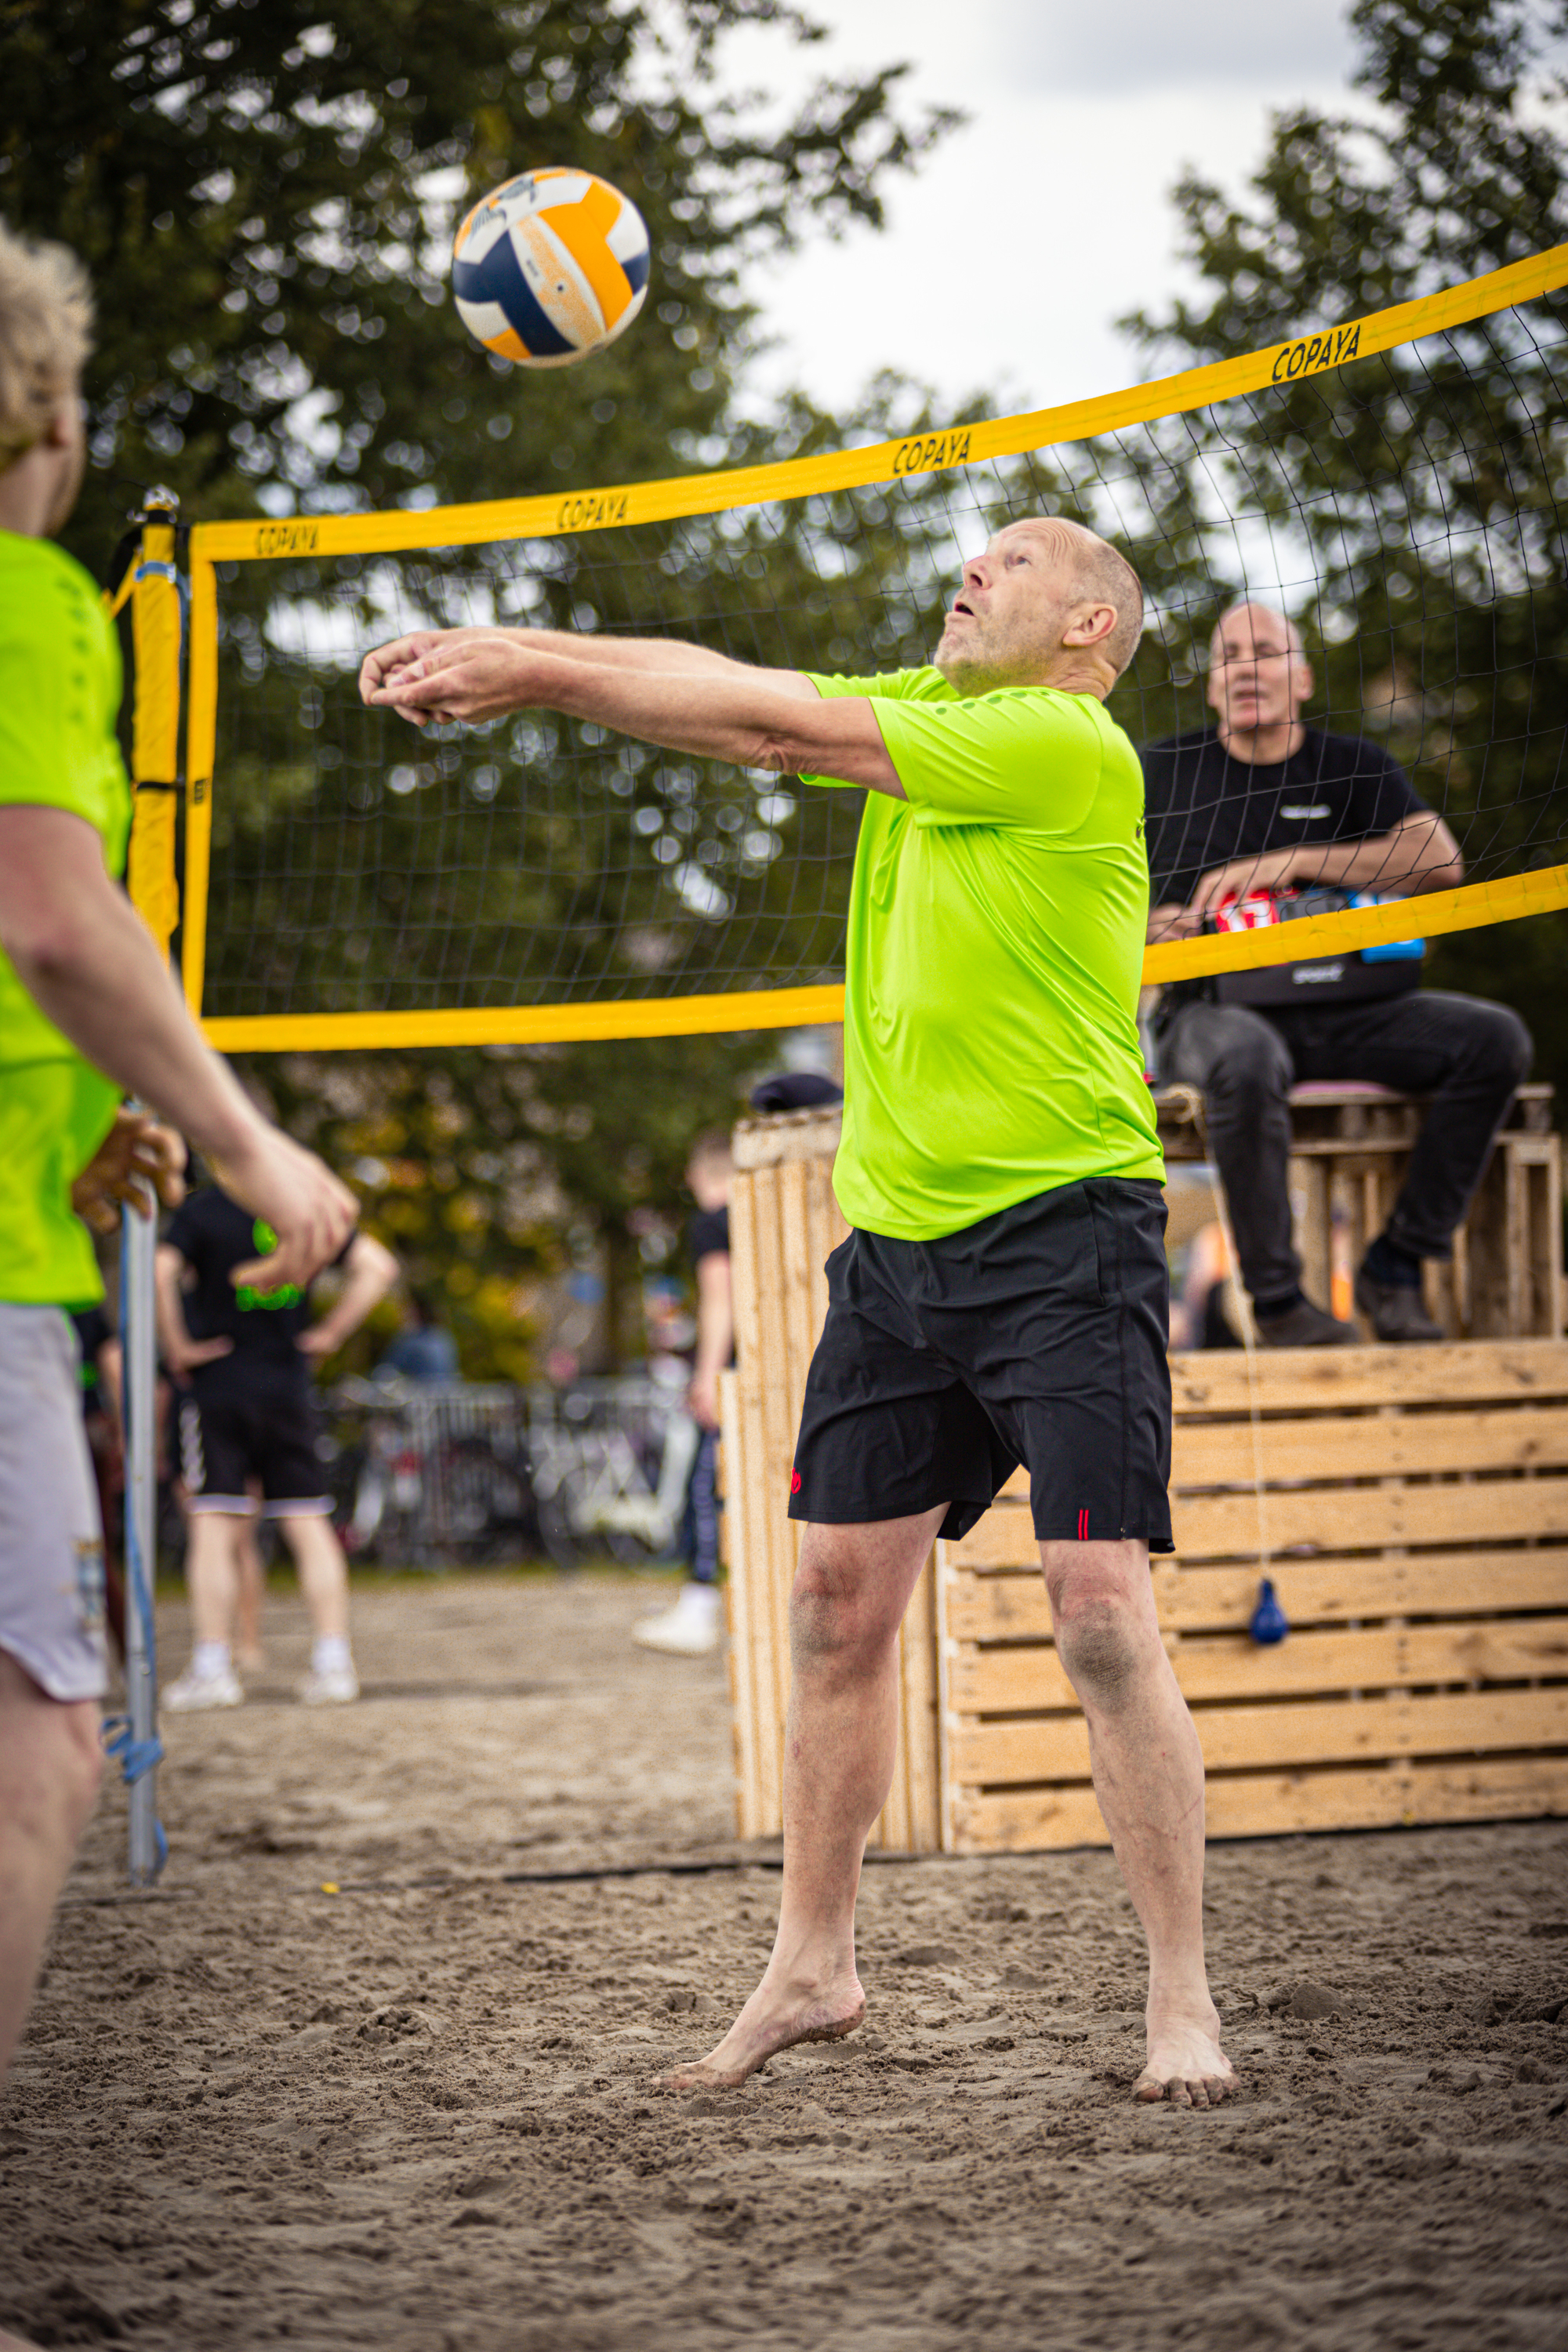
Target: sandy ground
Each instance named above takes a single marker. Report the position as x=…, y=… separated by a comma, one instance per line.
x=417, y=2111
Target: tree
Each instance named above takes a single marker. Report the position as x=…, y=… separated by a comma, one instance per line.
x=1426, y=485
x=263, y=191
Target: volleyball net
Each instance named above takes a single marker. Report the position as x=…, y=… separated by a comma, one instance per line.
x=1390, y=483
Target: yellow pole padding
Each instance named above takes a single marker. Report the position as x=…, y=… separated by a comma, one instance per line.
x=201, y=745
x=151, y=876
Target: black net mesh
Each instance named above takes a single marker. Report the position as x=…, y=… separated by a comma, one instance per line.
x=1403, y=511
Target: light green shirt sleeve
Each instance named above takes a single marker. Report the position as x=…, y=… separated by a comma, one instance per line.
x=55, y=651
x=1023, y=757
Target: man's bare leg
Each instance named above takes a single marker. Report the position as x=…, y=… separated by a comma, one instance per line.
x=250, y=1591
x=1148, y=1779
x=323, y=1571
x=50, y=1763
x=212, y=1573
x=850, y=1594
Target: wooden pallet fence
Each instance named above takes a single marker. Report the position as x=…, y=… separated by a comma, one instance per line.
x=1415, y=1508
x=784, y=1222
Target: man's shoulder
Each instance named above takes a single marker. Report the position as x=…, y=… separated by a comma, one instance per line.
x=40, y=587
x=927, y=685
x=1345, y=755
x=1191, y=744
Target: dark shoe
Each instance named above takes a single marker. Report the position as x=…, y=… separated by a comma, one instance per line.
x=1394, y=1311
x=1306, y=1326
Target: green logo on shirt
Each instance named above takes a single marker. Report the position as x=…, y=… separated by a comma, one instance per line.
x=247, y=1295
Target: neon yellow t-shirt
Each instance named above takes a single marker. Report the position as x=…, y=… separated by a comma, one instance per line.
x=59, y=694
x=995, y=941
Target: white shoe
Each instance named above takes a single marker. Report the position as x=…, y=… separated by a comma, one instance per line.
x=690, y=1630
x=194, y=1691
x=339, y=1686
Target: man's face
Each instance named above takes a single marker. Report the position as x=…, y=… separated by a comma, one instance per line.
x=1258, y=676
x=1006, y=619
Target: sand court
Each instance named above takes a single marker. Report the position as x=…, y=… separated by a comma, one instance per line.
x=418, y=2112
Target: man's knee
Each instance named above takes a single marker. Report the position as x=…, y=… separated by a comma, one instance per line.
x=1238, y=1062
x=1101, y=1651
x=833, y=1614
x=1503, y=1047
x=1106, y=1631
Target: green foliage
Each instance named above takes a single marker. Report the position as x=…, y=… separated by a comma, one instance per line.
x=265, y=192
x=1426, y=485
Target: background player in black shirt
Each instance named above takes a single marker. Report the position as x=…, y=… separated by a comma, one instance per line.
x=1263, y=801
x=247, y=1355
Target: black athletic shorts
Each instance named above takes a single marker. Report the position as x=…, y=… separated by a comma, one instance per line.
x=231, y=1430
x=1038, y=1336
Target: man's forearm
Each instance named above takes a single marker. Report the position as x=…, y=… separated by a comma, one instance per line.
x=749, y=717
x=1415, y=855
x=672, y=655
x=101, y=982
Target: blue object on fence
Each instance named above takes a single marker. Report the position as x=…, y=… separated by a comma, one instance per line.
x=1269, y=1623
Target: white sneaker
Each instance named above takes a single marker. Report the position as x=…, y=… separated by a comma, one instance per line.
x=194, y=1691
x=690, y=1630
x=339, y=1686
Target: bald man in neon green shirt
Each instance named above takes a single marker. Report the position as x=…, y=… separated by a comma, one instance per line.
x=1003, y=1295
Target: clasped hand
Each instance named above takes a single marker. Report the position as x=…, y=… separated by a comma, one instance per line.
x=456, y=674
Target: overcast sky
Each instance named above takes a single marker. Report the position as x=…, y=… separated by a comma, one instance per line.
x=1030, y=230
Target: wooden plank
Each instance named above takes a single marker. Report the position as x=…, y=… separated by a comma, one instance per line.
x=1229, y=1666
x=1505, y=1437
x=738, y=1596
x=920, y=1700
x=1316, y=1731
x=1324, y=1518
x=793, y=1273
x=1215, y=1600
x=1270, y=1804
x=1330, y=1518
x=1304, y=1379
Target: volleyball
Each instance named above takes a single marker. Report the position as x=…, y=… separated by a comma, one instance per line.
x=550, y=267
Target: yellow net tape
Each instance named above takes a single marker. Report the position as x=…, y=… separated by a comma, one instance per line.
x=1333, y=344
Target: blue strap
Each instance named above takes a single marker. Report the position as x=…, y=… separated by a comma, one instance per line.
x=134, y=1757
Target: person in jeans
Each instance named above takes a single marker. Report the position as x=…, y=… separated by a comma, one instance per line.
x=1261, y=802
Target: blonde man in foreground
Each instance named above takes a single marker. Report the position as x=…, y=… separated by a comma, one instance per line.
x=86, y=1012
x=1003, y=1295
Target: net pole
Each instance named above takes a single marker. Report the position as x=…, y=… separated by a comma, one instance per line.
x=153, y=882
x=140, y=1753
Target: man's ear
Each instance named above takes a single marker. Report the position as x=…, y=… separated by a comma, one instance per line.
x=1090, y=626
x=1302, y=681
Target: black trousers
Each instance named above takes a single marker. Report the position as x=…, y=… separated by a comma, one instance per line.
x=1468, y=1055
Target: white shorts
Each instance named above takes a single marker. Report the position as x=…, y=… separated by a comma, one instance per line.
x=51, y=1542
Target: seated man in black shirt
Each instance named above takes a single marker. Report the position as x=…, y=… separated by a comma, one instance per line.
x=1261, y=803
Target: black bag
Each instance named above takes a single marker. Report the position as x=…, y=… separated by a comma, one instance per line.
x=1360, y=973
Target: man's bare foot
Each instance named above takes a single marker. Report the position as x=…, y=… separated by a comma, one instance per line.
x=771, y=2020
x=1186, y=2065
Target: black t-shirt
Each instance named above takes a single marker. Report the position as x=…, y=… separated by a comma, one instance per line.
x=214, y=1234
x=1204, y=809
x=708, y=1235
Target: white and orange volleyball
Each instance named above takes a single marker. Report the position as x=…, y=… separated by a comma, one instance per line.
x=550, y=267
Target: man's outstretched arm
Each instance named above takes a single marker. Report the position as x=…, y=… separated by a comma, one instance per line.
x=754, y=719
x=672, y=657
